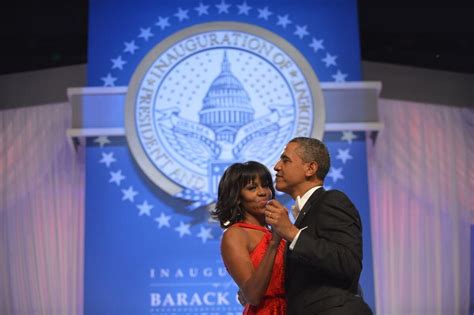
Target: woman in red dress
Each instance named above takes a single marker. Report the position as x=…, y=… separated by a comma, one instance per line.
x=252, y=254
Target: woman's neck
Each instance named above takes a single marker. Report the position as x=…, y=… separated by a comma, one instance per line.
x=250, y=219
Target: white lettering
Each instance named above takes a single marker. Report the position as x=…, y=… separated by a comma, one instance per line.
x=179, y=273
x=168, y=301
x=181, y=299
x=207, y=272
x=155, y=299
x=191, y=272
x=195, y=300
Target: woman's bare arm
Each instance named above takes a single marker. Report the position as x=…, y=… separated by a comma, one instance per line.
x=252, y=282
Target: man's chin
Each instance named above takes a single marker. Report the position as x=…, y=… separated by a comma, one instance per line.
x=280, y=187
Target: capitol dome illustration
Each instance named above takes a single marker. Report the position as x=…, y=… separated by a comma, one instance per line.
x=226, y=106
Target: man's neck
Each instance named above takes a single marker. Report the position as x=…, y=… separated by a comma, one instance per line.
x=304, y=188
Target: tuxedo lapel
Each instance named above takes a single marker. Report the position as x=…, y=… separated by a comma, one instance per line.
x=315, y=197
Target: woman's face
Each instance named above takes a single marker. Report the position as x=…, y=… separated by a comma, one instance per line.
x=254, y=197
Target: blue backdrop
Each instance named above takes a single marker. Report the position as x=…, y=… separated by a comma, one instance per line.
x=145, y=252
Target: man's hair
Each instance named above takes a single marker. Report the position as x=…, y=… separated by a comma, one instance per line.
x=313, y=150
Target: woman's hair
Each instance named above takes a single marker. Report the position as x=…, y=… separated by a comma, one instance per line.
x=228, y=209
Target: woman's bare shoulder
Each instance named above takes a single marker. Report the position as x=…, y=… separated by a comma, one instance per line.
x=234, y=234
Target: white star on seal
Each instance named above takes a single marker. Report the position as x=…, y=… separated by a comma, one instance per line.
x=329, y=60
x=264, y=13
x=348, y=136
x=316, y=44
x=102, y=140
x=145, y=33
x=129, y=194
x=244, y=8
x=222, y=7
x=107, y=158
x=205, y=234
x=343, y=155
x=109, y=80
x=202, y=9
x=163, y=220
x=118, y=63
x=339, y=76
x=301, y=31
x=162, y=22
x=283, y=21
x=335, y=174
x=183, y=229
x=130, y=47
x=116, y=177
x=144, y=208
x=181, y=14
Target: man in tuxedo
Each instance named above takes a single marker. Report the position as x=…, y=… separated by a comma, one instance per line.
x=324, y=252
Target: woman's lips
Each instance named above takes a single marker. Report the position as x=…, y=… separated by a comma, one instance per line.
x=262, y=203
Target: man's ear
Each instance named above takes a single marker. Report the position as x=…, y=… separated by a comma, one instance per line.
x=311, y=169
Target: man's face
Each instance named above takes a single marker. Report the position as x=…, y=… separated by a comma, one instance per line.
x=290, y=171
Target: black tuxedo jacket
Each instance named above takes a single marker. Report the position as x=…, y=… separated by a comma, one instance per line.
x=322, y=271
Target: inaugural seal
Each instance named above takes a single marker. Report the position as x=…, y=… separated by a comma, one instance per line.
x=214, y=94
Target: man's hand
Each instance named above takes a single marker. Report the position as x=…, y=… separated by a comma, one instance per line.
x=277, y=216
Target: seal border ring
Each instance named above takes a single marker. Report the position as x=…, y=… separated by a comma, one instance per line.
x=140, y=156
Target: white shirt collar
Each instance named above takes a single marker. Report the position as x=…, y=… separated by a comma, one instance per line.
x=301, y=201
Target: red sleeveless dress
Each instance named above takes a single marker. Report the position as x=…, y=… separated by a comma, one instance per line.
x=273, y=302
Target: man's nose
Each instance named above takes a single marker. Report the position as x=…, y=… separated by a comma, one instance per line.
x=276, y=167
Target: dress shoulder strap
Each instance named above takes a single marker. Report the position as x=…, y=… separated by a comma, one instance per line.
x=251, y=226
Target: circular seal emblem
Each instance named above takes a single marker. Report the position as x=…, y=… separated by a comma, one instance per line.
x=214, y=94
